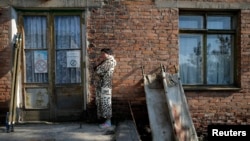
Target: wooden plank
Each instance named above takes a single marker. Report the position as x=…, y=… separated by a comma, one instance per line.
x=11, y=116
x=70, y=97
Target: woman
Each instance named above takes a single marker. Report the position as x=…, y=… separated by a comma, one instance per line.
x=104, y=87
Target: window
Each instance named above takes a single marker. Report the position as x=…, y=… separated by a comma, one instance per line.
x=36, y=50
x=68, y=49
x=67, y=39
x=207, y=48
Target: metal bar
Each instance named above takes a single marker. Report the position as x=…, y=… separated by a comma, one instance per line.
x=168, y=104
x=131, y=111
x=16, y=75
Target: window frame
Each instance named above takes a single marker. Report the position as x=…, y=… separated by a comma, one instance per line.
x=205, y=32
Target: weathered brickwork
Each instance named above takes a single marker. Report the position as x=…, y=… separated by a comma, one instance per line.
x=226, y=107
x=141, y=34
x=5, y=59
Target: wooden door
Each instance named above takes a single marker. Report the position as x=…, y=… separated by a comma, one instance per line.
x=68, y=72
x=52, y=69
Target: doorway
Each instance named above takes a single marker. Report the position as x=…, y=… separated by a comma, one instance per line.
x=52, y=68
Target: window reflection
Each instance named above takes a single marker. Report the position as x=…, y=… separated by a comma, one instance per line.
x=195, y=22
x=219, y=58
x=219, y=22
x=206, y=56
x=191, y=58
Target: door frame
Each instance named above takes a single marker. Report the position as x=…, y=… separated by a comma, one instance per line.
x=51, y=86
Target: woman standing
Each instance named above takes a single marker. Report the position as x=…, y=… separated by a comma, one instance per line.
x=104, y=87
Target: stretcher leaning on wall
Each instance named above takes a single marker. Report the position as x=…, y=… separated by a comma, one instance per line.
x=168, y=110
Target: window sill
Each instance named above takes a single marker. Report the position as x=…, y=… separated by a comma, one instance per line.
x=211, y=88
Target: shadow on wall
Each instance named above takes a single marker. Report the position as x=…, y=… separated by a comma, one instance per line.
x=5, y=60
x=125, y=77
x=5, y=49
x=5, y=79
x=5, y=63
x=137, y=72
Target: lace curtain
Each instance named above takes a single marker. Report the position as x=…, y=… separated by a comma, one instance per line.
x=35, y=44
x=68, y=45
x=219, y=59
x=191, y=59
x=219, y=62
x=67, y=49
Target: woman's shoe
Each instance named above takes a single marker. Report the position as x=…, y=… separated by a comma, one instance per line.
x=104, y=126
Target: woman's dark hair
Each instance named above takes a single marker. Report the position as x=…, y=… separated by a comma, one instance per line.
x=107, y=50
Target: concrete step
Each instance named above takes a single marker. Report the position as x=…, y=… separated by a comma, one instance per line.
x=126, y=131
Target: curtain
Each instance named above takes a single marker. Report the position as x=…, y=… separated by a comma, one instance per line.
x=35, y=40
x=68, y=49
x=219, y=59
x=190, y=58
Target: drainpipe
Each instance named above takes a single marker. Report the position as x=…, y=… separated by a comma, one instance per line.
x=86, y=92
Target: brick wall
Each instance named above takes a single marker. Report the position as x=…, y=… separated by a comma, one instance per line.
x=226, y=107
x=141, y=34
x=5, y=61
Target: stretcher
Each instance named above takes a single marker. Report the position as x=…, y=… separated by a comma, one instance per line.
x=168, y=111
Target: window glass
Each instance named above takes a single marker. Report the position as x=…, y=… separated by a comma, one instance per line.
x=67, y=32
x=67, y=42
x=219, y=59
x=206, y=56
x=219, y=22
x=36, y=54
x=191, y=58
x=195, y=22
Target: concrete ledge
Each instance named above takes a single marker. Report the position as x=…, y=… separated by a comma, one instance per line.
x=126, y=131
x=50, y=3
x=201, y=5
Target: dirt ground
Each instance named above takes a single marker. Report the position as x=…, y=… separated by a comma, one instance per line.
x=58, y=131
